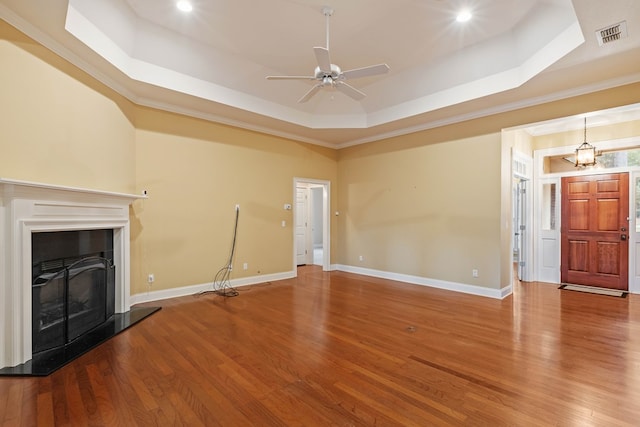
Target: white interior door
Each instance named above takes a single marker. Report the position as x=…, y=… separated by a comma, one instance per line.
x=520, y=227
x=302, y=226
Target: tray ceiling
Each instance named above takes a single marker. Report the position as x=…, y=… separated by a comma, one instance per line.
x=212, y=62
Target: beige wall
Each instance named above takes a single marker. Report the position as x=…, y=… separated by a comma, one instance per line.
x=428, y=209
x=58, y=125
x=195, y=173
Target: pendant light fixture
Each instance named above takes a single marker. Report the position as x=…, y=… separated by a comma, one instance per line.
x=585, y=153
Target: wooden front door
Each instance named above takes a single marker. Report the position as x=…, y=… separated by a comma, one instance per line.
x=594, y=241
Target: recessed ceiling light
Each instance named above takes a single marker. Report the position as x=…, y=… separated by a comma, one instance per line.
x=464, y=15
x=184, y=5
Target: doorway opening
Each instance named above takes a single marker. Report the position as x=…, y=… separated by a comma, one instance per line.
x=311, y=240
x=555, y=252
x=520, y=237
x=521, y=216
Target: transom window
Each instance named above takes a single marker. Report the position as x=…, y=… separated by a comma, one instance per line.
x=606, y=160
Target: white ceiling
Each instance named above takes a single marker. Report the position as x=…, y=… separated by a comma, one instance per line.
x=212, y=63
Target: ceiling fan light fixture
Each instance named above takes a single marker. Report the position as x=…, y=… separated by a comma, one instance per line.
x=330, y=75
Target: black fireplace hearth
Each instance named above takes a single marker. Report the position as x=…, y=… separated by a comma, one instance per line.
x=46, y=362
x=73, y=282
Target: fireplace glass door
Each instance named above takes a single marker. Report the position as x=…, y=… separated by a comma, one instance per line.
x=74, y=293
x=71, y=302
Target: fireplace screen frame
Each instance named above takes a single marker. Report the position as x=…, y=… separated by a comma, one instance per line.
x=71, y=301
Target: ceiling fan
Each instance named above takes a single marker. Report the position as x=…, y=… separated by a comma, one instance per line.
x=330, y=75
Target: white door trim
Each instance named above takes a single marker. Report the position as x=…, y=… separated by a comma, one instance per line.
x=326, y=222
x=522, y=168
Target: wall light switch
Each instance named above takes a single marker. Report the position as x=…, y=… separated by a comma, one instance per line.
x=284, y=223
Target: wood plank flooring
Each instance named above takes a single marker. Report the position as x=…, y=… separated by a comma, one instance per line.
x=347, y=350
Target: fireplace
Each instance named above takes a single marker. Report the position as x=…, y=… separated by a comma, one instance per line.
x=30, y=278
x=73, y=285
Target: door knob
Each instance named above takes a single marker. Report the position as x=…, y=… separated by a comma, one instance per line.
x=623, y=237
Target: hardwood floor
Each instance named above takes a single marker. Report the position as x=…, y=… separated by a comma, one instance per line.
x=348, y=350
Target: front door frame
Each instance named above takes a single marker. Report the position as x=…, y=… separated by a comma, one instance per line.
x=545, y=250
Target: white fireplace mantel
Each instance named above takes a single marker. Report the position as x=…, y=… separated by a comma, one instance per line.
x=29, y=207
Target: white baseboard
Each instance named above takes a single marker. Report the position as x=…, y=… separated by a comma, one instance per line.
x=244, y=281
x=195, y=289
x=433, y=283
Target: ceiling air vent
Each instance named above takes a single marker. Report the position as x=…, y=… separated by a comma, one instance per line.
x=612, y=33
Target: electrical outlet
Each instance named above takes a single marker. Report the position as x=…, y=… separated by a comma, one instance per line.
x=245, y=266
x=361, y=258
x=151, y=278
x=474, y=272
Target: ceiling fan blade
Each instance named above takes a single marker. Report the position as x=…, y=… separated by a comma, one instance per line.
x=290, y=78
x=307, y=96
x=349, y=90
x=324, y=61
x=372, y=70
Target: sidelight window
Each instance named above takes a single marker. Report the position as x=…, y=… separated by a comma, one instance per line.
x=548, y=220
